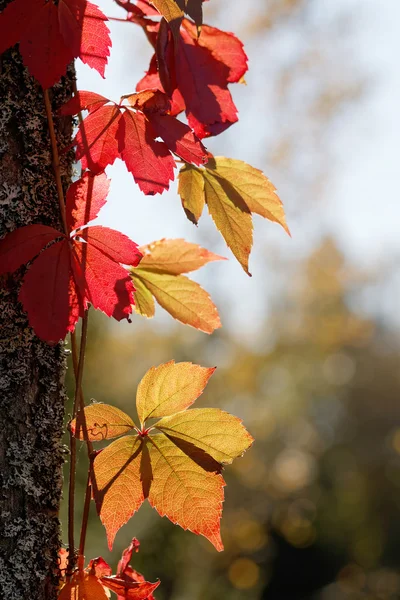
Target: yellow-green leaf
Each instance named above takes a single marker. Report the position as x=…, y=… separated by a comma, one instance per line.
x=175, y=257
x=231, y=216
x=191, y=191
x=144, y=301
x=103, y=422
x=186, y=487
x=216, y=432
x=117, y=484
x=256, y=190
x=169, y=388
x=184, y=299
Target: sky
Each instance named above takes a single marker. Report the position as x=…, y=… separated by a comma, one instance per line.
x=358, y=204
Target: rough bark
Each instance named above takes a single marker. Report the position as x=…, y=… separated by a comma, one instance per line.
x=31, y=372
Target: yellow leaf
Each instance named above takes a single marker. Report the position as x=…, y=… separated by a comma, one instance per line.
x=184, y=299
x=117, y=485
x=231, y=216
x=175, y=257
x=169, y=388
x=103, y=422
x=233, y=190
x=257, y=191
x=144, y=301
x=187, y=487
x=216, y=432
x=191, y=191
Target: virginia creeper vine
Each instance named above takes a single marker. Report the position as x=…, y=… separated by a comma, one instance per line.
x=86, y=265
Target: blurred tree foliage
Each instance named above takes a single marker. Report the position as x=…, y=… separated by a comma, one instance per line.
x=312, y=510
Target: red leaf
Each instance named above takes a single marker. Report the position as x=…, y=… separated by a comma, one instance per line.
x=85, y=198
x=117, y=246
x=99, y=567
x=200, y=70
x=224, y=46
x=103, y=282
x=179, y=138
x=43, y=49
x=80, y=269
x=97, y=143
x=83, y=101
x=93, y=39
x=149, y=161
x=127, y=555
x=131, y=590
x=52, y=35
x=23, y=244
x=44, y=293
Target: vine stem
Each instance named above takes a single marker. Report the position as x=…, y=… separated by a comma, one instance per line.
x=56, y=159
x=78, y=363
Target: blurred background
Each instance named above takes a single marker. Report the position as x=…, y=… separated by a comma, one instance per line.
x=309, y=352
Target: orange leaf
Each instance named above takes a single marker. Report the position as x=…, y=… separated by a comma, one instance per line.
x=177, y=468
x=117, y=486
x=103, y=422
x=186, y=487
x=184, y=299
x=175, y=257
x=169, y=388
x=83, y=586
x=160, y=276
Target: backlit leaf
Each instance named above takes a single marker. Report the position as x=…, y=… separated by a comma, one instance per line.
x=117, y=486
x=233, y=190
x=191, y=191
x=144, y=301
x=175, y=256
x=184, y=299
x=232, y=217
x=169, y=388
x=160, y=275
x=83, y=586
x=187, y=487
x=175, y=463
x=216, y=432
x=103, y=422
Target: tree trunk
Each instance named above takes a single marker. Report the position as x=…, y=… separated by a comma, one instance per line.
x=31, y=372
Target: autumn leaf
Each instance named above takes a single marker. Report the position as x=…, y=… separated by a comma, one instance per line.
x=82, y=267
x=191, y=191
x=83, y=586
x=160, y=276
x=232, y=190
x=90, y=583
x=128, y=130
x=176, y=462
x=103, y=422
x=52, y=34
x=195, y=71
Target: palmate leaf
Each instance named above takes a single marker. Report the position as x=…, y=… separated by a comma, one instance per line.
x=81, y=267
x=52, y=34
x=175, y=463
x=161, y=276
x=233, y=191
x=196, y=71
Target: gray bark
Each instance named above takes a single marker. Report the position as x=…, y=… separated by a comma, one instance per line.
x=31, y=372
